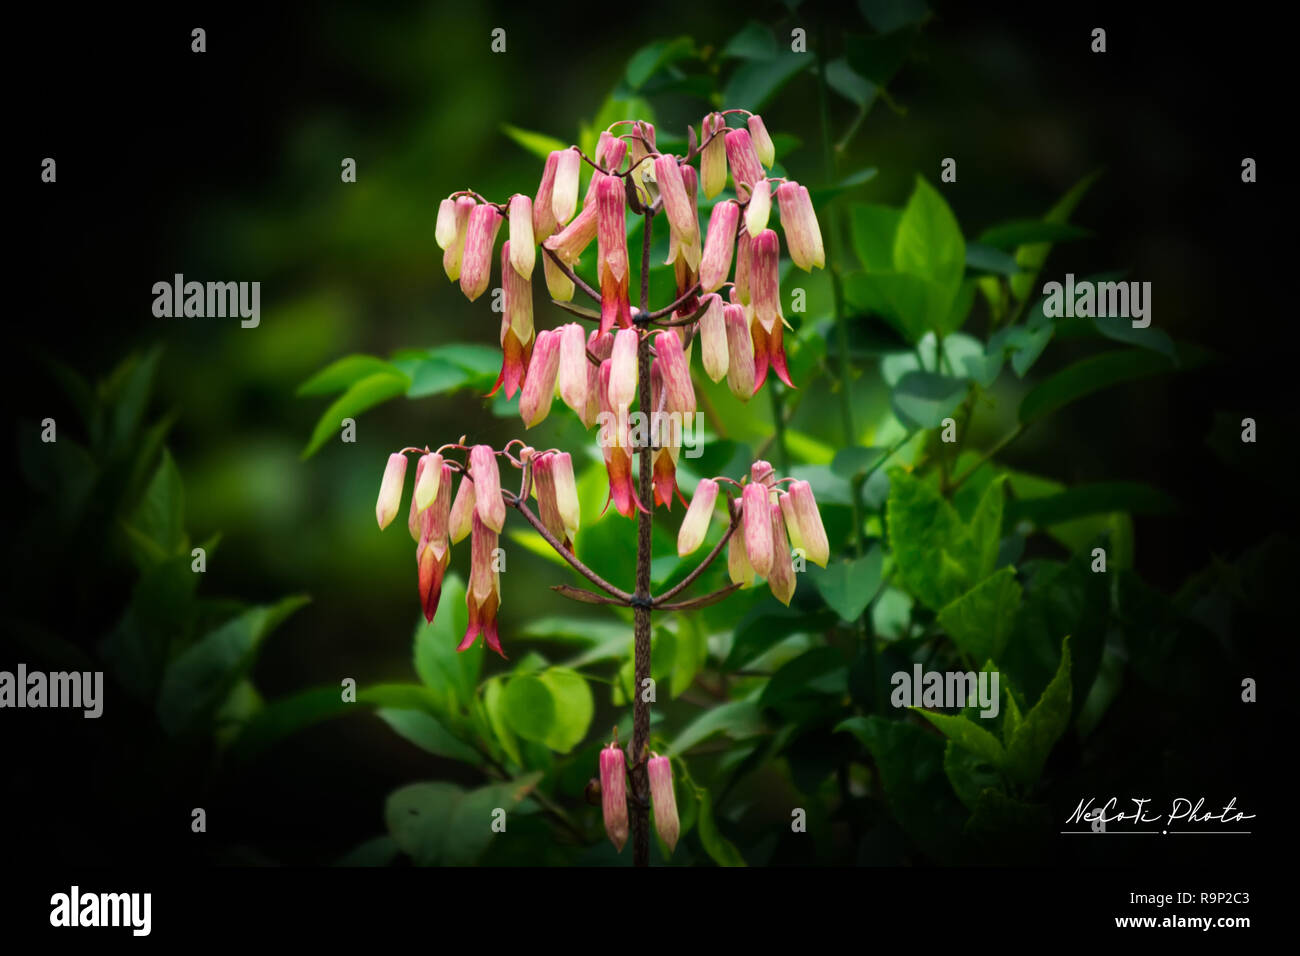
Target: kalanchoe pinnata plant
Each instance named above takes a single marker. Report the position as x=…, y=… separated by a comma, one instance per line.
x=633, y=353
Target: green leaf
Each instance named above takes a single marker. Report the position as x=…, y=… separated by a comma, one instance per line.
x=1039, y=730
x=967, y=734
x=1023, y=344
x=1031, y=256
x=719, y=848
x=873, y=228
x=1120, y=330
x=820, y=195
x=573, y=708
x=655, y=56
x=442, y=824
x=988, y=259
x=753, y=42
x=924, y=399
x=451, y=675
x=756, y=81
x=424, y=730
x=738, y=719
x=1021, y=232
x=850, y=84
x=969, y=774
x=848, y=586
x=986, y=527
x=1100, y=498
x=1087, y=376
x=929, y=242
x=932, y=546
x=539, y=144
x=366, y=393
x=199, y=680
x=530, y=708
x=494, y=705
x=158, y=525
x=343, y=373
x=821, y=670
x=881, y=56
x=982, y=619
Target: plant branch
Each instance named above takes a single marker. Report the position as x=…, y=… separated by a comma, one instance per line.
x=573, y=276
x=521, y=506
x=700, y=568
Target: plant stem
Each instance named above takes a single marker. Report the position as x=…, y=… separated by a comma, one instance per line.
x=778, y=422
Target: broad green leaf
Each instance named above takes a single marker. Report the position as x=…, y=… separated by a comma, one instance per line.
x=1008, y=235
x=756, y=81
x=654, y=56
x=720, y=849
x=436, y=376
x=738, y=719
x=850, y=84
x=1088, y=376
x=1040, y=728
x=691, y=652
x=573, y=708
x=442, y=824
x=986, y=527
x=982, y=619
x=929, y=242
x=363, y=394
x=343, y=373
x=968, y=734
x=969, y=773
x=873, y=228
x=539, y=144
x=1023, y=344
x=1122, y=330
x=160, y=517
x=753, y=42
x=988, y=259
x=848, y=586
x=1031, y=256
x=822, y=670
x=424, y=730
x=197, y=681
x=530, y=708
x=450, y=674
x=494, y=705
x=930, y=543
x=924, y=399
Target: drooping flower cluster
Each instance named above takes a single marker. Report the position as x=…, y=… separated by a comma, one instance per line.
x=437, y=521
x=774, y=525
x=613, y=797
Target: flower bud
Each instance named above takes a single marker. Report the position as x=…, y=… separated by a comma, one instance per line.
x=613, y=795
x=765, y=279
x=713, y=156
x=428, y=475
x=803, y=237
x=461, y=519
x=677, y=373
x=445, y=231
x=558, y=285
x=610, y=151
x=612, y=266
x=738, y=567
x=569, y=243
x=453, y=257
x=523, y=252
x=791, y=522
x=622, y=373
x=573, y=366
x=781, y=576
x=544, y=222
x=761, y=472
x=564, y=198
x=713, y=337
x=664, y=799
x=566, y=493
x=809, y=521
x=759, y=208
x=539, y=387
x=745, y=168
x=480, y=236
x=719, y=243
x=677, y=205
x=744, y=267
x=696, y=523
x=432, y=552
x=763, y=147
x=390, y=490
x=488, y=503
x=740, y=352
x=757, y=528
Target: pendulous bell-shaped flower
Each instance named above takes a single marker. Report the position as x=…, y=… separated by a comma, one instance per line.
x=765, y=279
x=757, y=527
x=516, y=325
x=763, y=147
x=738, y=567
x=769, y=351
x=683, y=222
x=744, y=267
x=573, y=378
x=623, y=369
x=811, y=531
x=480, y=236
x=696, y=523
x=611, y=239
x=745, y=168
x=544, y=221
x=713, y=155
x=463, y=507
x=428, y=475
x=613, y=794
x=483, y=595
x=433, y=553
x=539, y=387
x=664, y=799
x=616, y=446
x=444, y=232
x=390, y=490
x=740, y=352
x=488, y=503
x=557, y=495
x=523, y=250
x=713, y=337
x=803, y=237
x=564, y=198
x=780, y=577
x=455, y=249
x=719, y=244
x=676, y=372
x=759, y=209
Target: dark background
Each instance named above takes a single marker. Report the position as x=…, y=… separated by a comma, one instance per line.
x=154, y=142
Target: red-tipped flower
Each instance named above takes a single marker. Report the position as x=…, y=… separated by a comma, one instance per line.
x=539, y=386
x=611, y=237
x=483, y=595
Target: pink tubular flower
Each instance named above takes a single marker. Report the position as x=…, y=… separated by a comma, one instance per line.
x=539, y=386
x=544, y=221
x=488, y=503
x=415, y=517
x=611, y=237
x=613, y=795
x=763, y=147
x=781, y=576
x=623, y=369
x=572, y=382
x=740, y=352
x=558, y=285
x=455, y=250
x=523, y=251
x=676, y=372
x=390, y=490
x=738, y=567
x=616, y=447
x=809, y=521
x=803, y=237
x=765, y=279
x=428, y=475
x=745, y=168
x=483, y=596
x=758, y=527
x=480, y=236
x=601, y=347
x=713, y=337
x=445, y=229
x=564, y=198
x=664, y=799
x=683, y=223
x=759, y=209
x=461, y=519
x=744, y=267
x=569, y=243
x=432, y=552
x=696, y=523
x=557, y=495
x=719, y=243
x=610, y=151
x=516, y=326
x=761, y=472
x=713, y=157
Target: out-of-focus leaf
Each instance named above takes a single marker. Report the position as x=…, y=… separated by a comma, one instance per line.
x=738, y=719
x=722, y=850
x=982, y=619
x=1087, y=376
x=361, y=395
x=850, y=84
x=1103, y=497
x=539, y=144
x=442, y=824
x=986, y=258
x=924, y=399
x=1021, y=232
x=423, y=729
x=756, y=81
x=1031, y=256
x=654, y=56
x=848, y=586
x=573, y=708
x=753, y=42
x=450, y=675
x=343, y=373
x=1040, y=728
